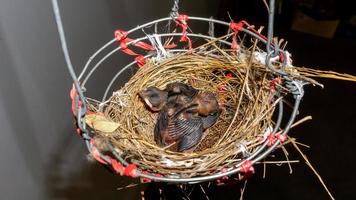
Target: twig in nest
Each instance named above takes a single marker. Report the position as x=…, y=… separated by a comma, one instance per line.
x=313, y=169
x=286, y=155
x=129, y=186
x=202, y=189
x=304, y=119
x=264, y=170
x=278, y=162
x=243, y=190
x=266, y=4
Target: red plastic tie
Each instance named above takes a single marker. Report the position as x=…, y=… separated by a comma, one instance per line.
x=117, y=166
x=247, y=167
x=274, y=83
x=144, y=45
x=250, y=27
x=271, y=139
x=95, y=152
x=158, y=175
x=145, y=180
x=73, y=92
x=281, y=137
x=73, y=96
x=79, y=132
x=121, y=37
x=182, y=22
x=141, y=61
x=223, y=170
x=236, y=27
x=130, y=170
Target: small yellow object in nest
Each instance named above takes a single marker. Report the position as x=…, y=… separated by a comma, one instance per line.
x=100, y=123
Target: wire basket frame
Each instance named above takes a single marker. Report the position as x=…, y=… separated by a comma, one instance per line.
x=96, y=61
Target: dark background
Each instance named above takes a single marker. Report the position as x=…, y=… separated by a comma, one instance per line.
x=42, y=157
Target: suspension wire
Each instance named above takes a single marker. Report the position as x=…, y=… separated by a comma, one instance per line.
x=65, y=49
x=175, y=8
x=80, y=100
x=272, y=51
x=271, y=11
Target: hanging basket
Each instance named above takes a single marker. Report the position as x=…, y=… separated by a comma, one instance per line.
x=249, y=82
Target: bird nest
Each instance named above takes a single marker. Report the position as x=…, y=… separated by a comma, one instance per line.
x=243, y=86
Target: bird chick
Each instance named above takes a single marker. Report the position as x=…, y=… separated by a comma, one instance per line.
x=208, y=108
x=178, y=88
x=154, y=98
x=206, y=103
x=177, y=123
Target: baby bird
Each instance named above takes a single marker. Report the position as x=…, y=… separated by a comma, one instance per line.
x=184, y=114
x=207, y=107
x=176, y=123
x=154, y=98
x=178, y=88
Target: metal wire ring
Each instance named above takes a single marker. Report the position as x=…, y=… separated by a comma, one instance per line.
x=261, y=152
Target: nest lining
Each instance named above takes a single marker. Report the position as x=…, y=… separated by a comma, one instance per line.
x=242, y=88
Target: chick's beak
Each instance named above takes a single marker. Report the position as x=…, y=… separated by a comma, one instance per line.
x=143, y=94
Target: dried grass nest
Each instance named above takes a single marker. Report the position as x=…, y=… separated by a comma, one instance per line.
x=243, y=86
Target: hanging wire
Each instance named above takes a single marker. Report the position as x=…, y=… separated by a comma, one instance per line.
x=65, y=48
x=272, y=49
x=173, y=14
x=269, y=49
x=271, y=11
x=81, y=109
x=175, y=8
